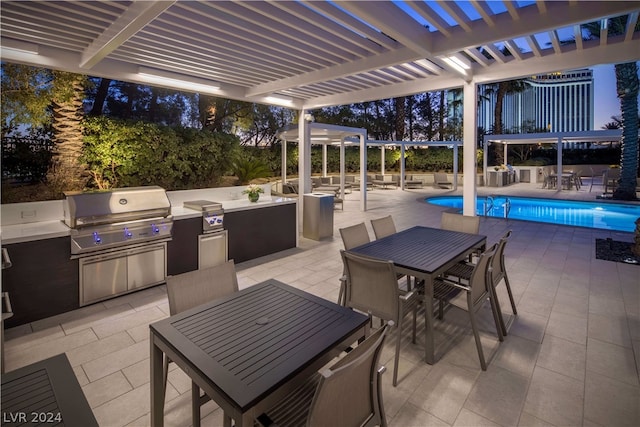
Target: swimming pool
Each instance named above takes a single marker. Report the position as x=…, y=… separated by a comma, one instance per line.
x=606, y=216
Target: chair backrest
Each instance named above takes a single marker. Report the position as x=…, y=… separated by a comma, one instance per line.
x=480, y=277
x=289, y=188
x=497, y=264
x=371, y=286
x=613, y=173
x=439, y=177
x=197, y=287
x=347, y=394
x=456, y=222
x=383, y=227
x=354, y=236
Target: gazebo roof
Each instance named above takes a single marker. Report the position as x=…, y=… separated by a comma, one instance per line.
x=327, y=134
x=608, y=135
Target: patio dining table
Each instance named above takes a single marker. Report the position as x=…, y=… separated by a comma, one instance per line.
x=248, y=350
x=567, y=178
x=424, y=253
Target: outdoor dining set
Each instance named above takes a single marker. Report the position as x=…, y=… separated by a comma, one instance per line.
x=274, y=354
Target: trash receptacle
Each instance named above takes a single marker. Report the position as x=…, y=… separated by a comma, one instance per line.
x=317, y=220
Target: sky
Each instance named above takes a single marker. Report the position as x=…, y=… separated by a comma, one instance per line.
x=606, y=102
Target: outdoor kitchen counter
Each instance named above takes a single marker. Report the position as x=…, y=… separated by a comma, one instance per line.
x=20, y=233
x=180, y=212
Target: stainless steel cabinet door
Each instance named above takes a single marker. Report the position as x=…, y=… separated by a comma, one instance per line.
x=147, y=267
x=212, y=249
x=102, y=277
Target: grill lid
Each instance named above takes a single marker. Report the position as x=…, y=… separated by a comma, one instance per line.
x=116, y=205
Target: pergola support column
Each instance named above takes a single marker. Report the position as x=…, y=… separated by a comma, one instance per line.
x=469, y=190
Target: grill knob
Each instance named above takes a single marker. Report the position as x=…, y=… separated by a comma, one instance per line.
x=96, y=237
x=127, y=234
x=154, y=229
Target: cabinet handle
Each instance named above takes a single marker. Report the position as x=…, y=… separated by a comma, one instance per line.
x=6, y=261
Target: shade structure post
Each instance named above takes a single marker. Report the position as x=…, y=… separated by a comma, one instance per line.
x=402, y=166
x=382, y=161
x=324, y=159
x=505, y=153
x=559, y=167
x=304, y=159
x=485, y=162
x=284, y=162
x=342, y=168
x=455, y=166
x=363, y=172
x=470, y=130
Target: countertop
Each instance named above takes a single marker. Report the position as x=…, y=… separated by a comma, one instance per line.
x=19, y=233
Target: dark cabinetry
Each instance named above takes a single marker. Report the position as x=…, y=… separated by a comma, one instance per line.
x=257, y=232
x=182, y=250
x=42, y=280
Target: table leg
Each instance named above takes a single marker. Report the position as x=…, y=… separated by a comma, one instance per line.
x=428, y=322
x=157, y=395
x=195, y=404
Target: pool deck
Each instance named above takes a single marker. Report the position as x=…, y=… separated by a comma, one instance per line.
x=571, y=356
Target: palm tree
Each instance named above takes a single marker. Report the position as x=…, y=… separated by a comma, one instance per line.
x=66, y=172
x=627, y=88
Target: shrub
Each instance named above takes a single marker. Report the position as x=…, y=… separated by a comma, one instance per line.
x=127, y=154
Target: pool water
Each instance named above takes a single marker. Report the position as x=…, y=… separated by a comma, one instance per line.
x=600, y=215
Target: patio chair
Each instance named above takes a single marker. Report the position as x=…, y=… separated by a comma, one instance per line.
x=372, y=287
x=457, y=222
x=383, y=227
x=411, y=182
x=472, y=296
x=594, y=176
x=463, y=271
x=462, y=223
x=440, y=180
x=610, y=178
x=352, y=237
x=191, y=289
x=577, y=179
x=346, y=394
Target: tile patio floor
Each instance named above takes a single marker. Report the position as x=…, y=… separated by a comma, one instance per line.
x=571, y=357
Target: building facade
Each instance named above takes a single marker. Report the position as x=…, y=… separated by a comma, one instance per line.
x=558, y=102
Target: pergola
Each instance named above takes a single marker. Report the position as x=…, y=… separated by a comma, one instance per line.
x=558, y=138
x=310, y=54
x=342, y=136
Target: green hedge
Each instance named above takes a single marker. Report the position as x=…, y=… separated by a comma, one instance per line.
x=421, y=159
x=126, y=154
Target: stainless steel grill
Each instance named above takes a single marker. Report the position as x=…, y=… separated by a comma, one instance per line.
x=105, y=220
x=120, y=239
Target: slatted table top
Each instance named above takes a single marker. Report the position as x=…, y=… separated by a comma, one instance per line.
x=422, y=249
x=47, y=393
x=250, y=343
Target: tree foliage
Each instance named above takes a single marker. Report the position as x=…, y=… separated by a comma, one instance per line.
x=124, y=154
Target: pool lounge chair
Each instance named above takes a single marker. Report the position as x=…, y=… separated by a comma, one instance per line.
x=440, y=180
x=383, y=181
x=411, y=182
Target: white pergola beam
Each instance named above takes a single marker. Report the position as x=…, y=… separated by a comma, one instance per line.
x=137, y=16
